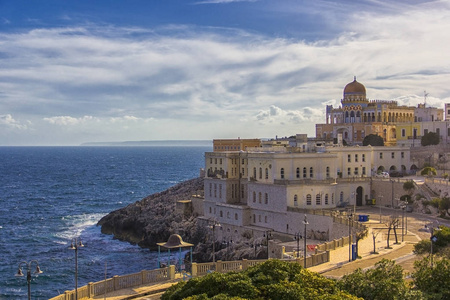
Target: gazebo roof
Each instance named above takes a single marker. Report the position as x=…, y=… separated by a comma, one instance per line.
x=175, y=241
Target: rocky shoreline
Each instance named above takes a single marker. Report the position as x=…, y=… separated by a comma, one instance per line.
x=154, y=218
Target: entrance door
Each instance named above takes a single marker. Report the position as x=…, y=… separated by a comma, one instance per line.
x=359, y=196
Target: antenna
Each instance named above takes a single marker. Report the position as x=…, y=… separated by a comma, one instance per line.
x=425, y=94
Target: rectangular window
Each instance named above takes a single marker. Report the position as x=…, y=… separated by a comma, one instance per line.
x=381, y=155
x=364, y=170
x=356, y=157
x=393, y=155
x=349, y=158
x=363, y=157
x=349, y=171
x=403, y=154
x=356, y=171
x=403, y=132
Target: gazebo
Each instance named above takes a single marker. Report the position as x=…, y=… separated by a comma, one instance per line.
x=174, y=241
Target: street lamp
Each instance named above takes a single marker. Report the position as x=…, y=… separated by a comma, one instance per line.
x=213, y=227
x=403, y=206
x=28, y=265
x=305, y=222
x=268, y=235
x=350, y=220
x=298, y=237
x=74, y=245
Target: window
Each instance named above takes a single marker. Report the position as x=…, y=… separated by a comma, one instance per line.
x=381, y=155
x=295, y=200
x=356, y=157
x=235, y=216
x=318, y=199
x=259, y=218
x=298, y=173
x=326, y=199
x=282, y=173
x=425, y=131
x=243, y=161
x=259, y=197
x=308, y=199
x=220, y=161
x=304, y=172
x=220, y=191
x=403, y=132
x=265, y=219
x=210, y=210
x=254, y=173
x=402, y=154
x=266, y=198
x=254, y=197
x=210, y=189
x=349, y=158
x=332, y=198
x=228, y=214
x=260, y=173
x=267, y=173
x=363, y=157
x=328, y=172
x=215, y=190
x=311, y=172
x=215, y=161
x=341, y=197
x=364, y=170
x=356, y=171
x=393, y=155
x=349, y=171
x=221, y=214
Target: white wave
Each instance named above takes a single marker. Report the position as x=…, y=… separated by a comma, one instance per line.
x=76, y=224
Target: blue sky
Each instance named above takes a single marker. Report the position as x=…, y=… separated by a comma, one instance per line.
x=79, y=71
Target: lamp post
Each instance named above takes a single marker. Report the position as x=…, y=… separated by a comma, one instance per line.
x=28, y=265
x=74, y=245
x=298, y=237
x=213, y=227
x=381, y=197
x=392, y=191
x=350, y=220
x=305, y=222
x=403, y=206
x=268, y=235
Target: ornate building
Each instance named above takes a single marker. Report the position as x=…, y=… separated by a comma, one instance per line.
x=358, y=117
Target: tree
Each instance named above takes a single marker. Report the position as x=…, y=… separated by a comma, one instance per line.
x=428, y=171
x=373, y=140
x=273, y=279
x=430, y=138
x=385, y=281
x=392, y=223
x=432, y=281
x=374, y=238
x=409, y=186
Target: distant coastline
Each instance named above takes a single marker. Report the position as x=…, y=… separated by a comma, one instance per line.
x=173, y=143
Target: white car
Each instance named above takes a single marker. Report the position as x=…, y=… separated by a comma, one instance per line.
x=382, y=175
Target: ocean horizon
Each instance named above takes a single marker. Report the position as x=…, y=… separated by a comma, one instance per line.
x=52, y=194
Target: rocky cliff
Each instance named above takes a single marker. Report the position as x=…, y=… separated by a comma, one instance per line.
x=153, y=219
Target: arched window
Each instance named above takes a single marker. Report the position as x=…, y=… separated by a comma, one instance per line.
x=304, y=172
x=266, y=198
x=318, y=199
x=308, y=199
x=259, y=197
x=328, y=172
x=254, y=173
x=311, y=172
x=295, y=200
x=326, y=199
x=267, y=173
x=298, y=173
x=282, y=173
x=260, y=173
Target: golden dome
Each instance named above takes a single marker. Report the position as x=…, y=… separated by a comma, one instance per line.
x=354, y=88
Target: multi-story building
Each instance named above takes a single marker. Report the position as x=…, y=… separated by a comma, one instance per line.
x=265, y=188
x=358, y=117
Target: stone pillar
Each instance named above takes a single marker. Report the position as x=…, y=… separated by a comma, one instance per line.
x=219, y=266
x=116, y=282
x=244, y=264
x=67, y=295
x=90, y=287
x=194, y=270
x=172, y=272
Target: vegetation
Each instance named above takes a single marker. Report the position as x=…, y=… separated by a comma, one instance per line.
x=373, y=140
x=273, y=279
x=385, y=281
x=442, y=242
x=430, y=138
x=428, y=171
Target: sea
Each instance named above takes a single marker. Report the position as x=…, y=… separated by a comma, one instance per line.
x=51, y=195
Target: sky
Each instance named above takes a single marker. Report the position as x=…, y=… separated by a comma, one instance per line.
x=76, y=71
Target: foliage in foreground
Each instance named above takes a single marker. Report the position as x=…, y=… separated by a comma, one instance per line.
x=442, y=235
x=273, y=279
x=433, y=280
x=385, y=281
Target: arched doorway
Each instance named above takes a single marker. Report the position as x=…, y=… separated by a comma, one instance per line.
x=359, y=196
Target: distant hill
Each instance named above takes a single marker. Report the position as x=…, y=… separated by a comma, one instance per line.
x=174, y=143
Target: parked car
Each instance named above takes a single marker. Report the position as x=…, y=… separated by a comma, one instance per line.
x=396, y=174
x=382, y=175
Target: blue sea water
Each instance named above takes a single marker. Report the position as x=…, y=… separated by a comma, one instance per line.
x=49, y=195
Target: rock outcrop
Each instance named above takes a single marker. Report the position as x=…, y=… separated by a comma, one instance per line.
x=153, y=219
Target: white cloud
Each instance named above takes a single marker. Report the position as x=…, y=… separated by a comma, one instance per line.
x=9, y=122
x=67, y=120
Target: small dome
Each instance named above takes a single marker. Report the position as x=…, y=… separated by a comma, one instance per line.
x=175, y=241
x=354, y=88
